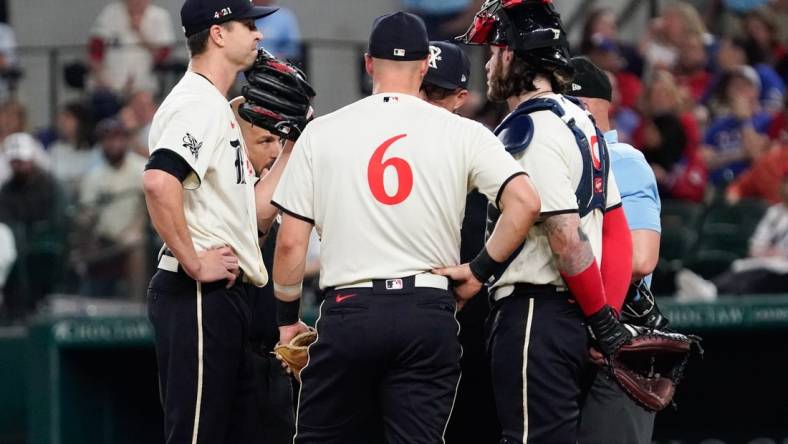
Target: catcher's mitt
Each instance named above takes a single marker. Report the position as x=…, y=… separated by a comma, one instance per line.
x=277, y=96
x=295, y=353
x=649, y=367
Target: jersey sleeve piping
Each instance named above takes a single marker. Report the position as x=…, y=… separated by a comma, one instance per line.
x=503, y=186
x=291, y=213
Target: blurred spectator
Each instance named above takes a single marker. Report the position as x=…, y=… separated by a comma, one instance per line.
x=778, y=130
x=765, y=271
x=40, y=157
x=31, y=203
x=8, y=61
x=445, y=19
x=281, y=35
x=734, y=140
x=626, y=119
x=127, y=40
x=690, y=69
x=743, y=6
x=669, y=137
x=762, y=33
x=137, y=116
x=734, y=53
x=13, y=118
x=72, y=152
x=606, y=54
x=762, y=181
x=679, y=21
x=112, y=220
x=7, y=256
x=601, y=25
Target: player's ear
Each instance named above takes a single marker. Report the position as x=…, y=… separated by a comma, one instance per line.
x=425, y=66
x=368, y=65
x=462, y=97
x=216, y=33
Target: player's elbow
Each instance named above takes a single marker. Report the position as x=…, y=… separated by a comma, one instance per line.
x=156, y=184
x=520, y=198
x=643, y=264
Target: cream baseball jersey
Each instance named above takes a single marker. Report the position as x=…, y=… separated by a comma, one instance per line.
x=384, y=180
x=196, y=122
x=555, y=164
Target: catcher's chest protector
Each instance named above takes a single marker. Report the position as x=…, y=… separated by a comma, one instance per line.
x=516, y=132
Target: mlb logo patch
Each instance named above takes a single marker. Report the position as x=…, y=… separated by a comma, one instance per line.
x=394, y=284
x=598, y=185
x=399, y=52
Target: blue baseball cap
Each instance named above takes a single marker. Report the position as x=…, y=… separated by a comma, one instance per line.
x=449, y=66
x=399, y=36
x=199, y=15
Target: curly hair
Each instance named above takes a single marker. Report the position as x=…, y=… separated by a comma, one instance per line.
x=521, y=75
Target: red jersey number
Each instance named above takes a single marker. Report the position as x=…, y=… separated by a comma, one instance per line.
x=377, y=168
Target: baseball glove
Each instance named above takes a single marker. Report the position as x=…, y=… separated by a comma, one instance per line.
x=277, y=97
x=650, y=366
x=295, y=353
x=640, y=308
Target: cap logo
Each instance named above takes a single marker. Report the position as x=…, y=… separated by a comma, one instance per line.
x=399, y=52
x=556, y=33
x=435, y=56
x=463, y=78
x=224, y=12
x=576, y=87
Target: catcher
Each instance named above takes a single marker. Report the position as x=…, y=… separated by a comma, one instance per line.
x=271, y=112
x=208, y=206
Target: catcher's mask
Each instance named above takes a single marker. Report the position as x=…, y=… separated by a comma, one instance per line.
x=531, y=28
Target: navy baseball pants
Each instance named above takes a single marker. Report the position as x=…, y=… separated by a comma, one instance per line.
x=205, y=358
x=384, y=369
x=538, y=350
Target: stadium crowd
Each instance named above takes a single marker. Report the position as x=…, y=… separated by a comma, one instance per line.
x=702, y=95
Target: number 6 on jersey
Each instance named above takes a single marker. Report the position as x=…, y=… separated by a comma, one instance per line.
x=377, y=168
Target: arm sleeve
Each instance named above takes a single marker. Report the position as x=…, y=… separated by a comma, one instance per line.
x=616, y=268
x=103, y=26
x=491, y=166
x=295, y=193
x=546, y=162
x=194, y=134
x=639, y=193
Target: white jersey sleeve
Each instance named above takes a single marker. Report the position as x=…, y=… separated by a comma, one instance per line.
x=613, y=197
x=550, y=165
x=295, y=194
x=491, y=166
x=194, y=134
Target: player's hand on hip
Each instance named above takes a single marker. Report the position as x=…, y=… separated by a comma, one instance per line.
x=217, y=264
x=464, y=283
x=287, y=333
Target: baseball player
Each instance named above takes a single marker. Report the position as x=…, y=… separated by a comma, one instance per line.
x=388, y=205
x=473, y=417
x=609, y=415
x=200, y=190
x=575, y=264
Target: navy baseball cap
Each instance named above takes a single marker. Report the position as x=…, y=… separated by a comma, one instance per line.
x=589, y=81
x=449, y=66
x=199, y=15
x=399, y=36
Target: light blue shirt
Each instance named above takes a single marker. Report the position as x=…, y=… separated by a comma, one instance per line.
x=637, y=184
x=436, y=7
x=281, y=36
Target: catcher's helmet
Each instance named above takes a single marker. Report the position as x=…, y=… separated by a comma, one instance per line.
x=532, y=28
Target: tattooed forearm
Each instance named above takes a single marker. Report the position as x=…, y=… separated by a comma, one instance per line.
x=570, y=245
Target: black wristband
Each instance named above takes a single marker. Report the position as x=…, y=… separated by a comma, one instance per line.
x=287, y=312
x=484, y=267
